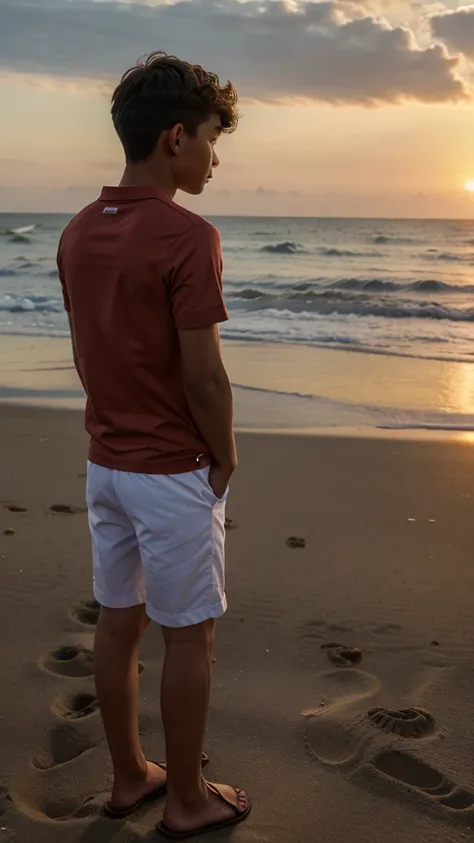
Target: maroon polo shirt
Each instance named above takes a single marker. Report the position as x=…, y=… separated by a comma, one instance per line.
x=135, y=269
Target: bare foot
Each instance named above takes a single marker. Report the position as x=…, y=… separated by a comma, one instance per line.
x=124, y=796
x=220, y=803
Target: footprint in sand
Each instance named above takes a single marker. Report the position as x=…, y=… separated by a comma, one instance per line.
x=64, y=744
x=419, y=778
x=68, y=753
x=35, y=809
x=87, y=612
x=13, y=507
x=45, y=791
x=68, y=661
x=65, y=509
x=34, y=804
x=413, y=722
x=75, y=661
x=75, y=706
x=296, y=543
x=337, y=731
x=342, y=656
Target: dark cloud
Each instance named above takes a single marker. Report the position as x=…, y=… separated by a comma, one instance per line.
x=456, y=29
x=272, y=50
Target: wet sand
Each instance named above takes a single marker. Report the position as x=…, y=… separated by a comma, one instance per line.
x=373, y=612
x=284, y=388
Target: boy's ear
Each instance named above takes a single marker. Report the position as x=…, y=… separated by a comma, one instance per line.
x=175, y=136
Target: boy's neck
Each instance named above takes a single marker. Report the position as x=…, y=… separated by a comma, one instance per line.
x=140, y=175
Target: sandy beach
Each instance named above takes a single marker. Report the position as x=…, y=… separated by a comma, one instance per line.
x=331, y=241
x=374, y=611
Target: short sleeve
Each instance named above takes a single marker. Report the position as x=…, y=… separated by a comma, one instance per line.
x=195, y=279
x=59, y=259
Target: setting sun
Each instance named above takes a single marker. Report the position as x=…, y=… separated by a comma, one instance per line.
x=469, y=185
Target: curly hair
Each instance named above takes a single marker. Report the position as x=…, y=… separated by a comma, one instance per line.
x=161, y=91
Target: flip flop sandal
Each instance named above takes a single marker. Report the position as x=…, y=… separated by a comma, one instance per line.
x=120, y=813
x=239, y=816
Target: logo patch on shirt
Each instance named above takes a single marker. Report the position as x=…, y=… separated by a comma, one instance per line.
x=110, y=210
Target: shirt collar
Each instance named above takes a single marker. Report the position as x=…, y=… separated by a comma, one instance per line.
x=131, y=194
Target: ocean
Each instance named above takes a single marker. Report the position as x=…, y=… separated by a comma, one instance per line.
x=393, y=288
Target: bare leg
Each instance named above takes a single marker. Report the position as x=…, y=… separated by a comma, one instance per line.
x=185, y=692
x=116, y=675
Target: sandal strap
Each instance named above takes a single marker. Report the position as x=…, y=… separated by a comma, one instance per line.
x=224, y=799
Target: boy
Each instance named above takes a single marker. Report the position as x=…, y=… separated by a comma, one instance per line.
x=141, y=278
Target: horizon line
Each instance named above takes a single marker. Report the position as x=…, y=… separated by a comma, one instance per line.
x=367, y=217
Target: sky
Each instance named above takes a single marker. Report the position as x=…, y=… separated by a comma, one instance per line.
x=349, y=107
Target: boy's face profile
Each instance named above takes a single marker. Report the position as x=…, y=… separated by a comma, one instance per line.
x=169, y=115
x=193, y=155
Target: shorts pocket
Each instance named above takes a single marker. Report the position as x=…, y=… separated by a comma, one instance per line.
x=211, y=490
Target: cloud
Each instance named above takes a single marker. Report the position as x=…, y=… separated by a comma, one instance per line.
x=323, y=51
x=456, y=29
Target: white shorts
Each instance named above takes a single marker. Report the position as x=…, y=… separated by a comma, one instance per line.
x=158, y=539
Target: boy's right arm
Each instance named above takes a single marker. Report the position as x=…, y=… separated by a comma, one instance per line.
x=209, y=396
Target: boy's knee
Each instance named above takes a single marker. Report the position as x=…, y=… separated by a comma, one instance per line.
x=124, y=624
x=200, y=633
